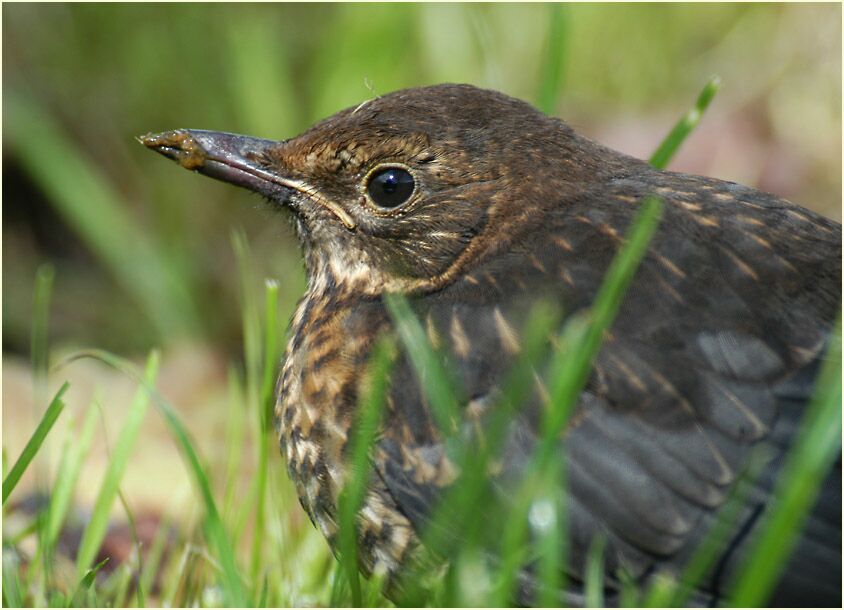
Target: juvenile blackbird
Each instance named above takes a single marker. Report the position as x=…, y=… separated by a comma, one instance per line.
x=475, y=205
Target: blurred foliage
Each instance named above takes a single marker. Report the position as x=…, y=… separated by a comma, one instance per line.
x=122, y=226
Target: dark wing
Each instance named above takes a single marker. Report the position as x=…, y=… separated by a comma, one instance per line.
x=730, y=310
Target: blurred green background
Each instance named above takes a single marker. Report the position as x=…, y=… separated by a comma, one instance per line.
x=142, y=251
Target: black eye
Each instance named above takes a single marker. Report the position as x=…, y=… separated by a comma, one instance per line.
x=391, y=187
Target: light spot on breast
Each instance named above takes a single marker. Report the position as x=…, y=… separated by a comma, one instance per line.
x=563, y=243
x=798, y=215
x=537, y=264
x=761, y=241
x=566, y=276
x=509, y=338
x=670, y=290
x=749, y=220
x=692, y=207
x=459, y=340
x=609, y=231
x=432, y=332
x=740, y=264
x=492, y=281
x=628, y=373
x=706, y=221
x=668, y=264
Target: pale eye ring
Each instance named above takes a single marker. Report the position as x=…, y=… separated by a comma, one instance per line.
x=390, y=187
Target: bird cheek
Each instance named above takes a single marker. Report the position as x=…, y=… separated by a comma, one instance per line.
x=419, y=256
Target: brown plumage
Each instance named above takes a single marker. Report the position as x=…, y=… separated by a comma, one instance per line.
x=476, y=205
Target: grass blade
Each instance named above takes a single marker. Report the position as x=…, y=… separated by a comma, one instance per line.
x=250, y=317
x=513, y=551
x=272, y=356
x=73, y=456
x=460, y=504
x=175, y=572
x=708, y=550
x=79, y=596
x=255, y=381
x=12, y=593
x=265, y=409
x=234, y=594
x=628, y=596
x=233, y=591
x=235, y=437
x=685, y=125
x=571, y=367
x=554, y=61
x=96, y=529
x=548, y=520
x=817, y=445
x=663, y=589
x=260, y=512
x=439, y=386
x=530, y=500
x=339, y=585
x=458, y=509
x=261, y=89
x=35, y=441
x=262, y=598
x=96, y=211
x=40, y=318
x=579, y=342
x=150, y=569
x=364, y=432
x=121, y=590
x=595, y=573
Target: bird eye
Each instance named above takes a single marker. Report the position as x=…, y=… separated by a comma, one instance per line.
x=390, y=187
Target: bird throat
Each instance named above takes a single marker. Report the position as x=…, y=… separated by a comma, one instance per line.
x=332, y=333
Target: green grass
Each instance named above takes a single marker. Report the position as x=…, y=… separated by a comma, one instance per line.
x=40, y=347
x=215, y=531
x=433, y=371
x=70, y=465
x=365, y=432
x=685, y=125
x=34, y=444
x=247, y=544
x=555, y=59
x=95, y=531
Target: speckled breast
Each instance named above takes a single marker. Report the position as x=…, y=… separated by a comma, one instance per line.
x=326, y=357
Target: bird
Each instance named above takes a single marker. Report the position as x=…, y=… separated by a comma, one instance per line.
x=474, y=206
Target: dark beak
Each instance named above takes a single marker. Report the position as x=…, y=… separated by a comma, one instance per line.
x=225, y=156
x=240, y=160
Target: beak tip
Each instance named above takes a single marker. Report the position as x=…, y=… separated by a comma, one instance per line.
x=147, y=139
x=178, y=145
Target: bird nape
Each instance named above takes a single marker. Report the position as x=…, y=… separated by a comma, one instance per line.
x=475, y=206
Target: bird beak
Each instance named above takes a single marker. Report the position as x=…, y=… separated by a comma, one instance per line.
x=237, y=160
x=224, y=156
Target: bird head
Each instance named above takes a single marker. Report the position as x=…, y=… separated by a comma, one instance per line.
x=402, y=191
